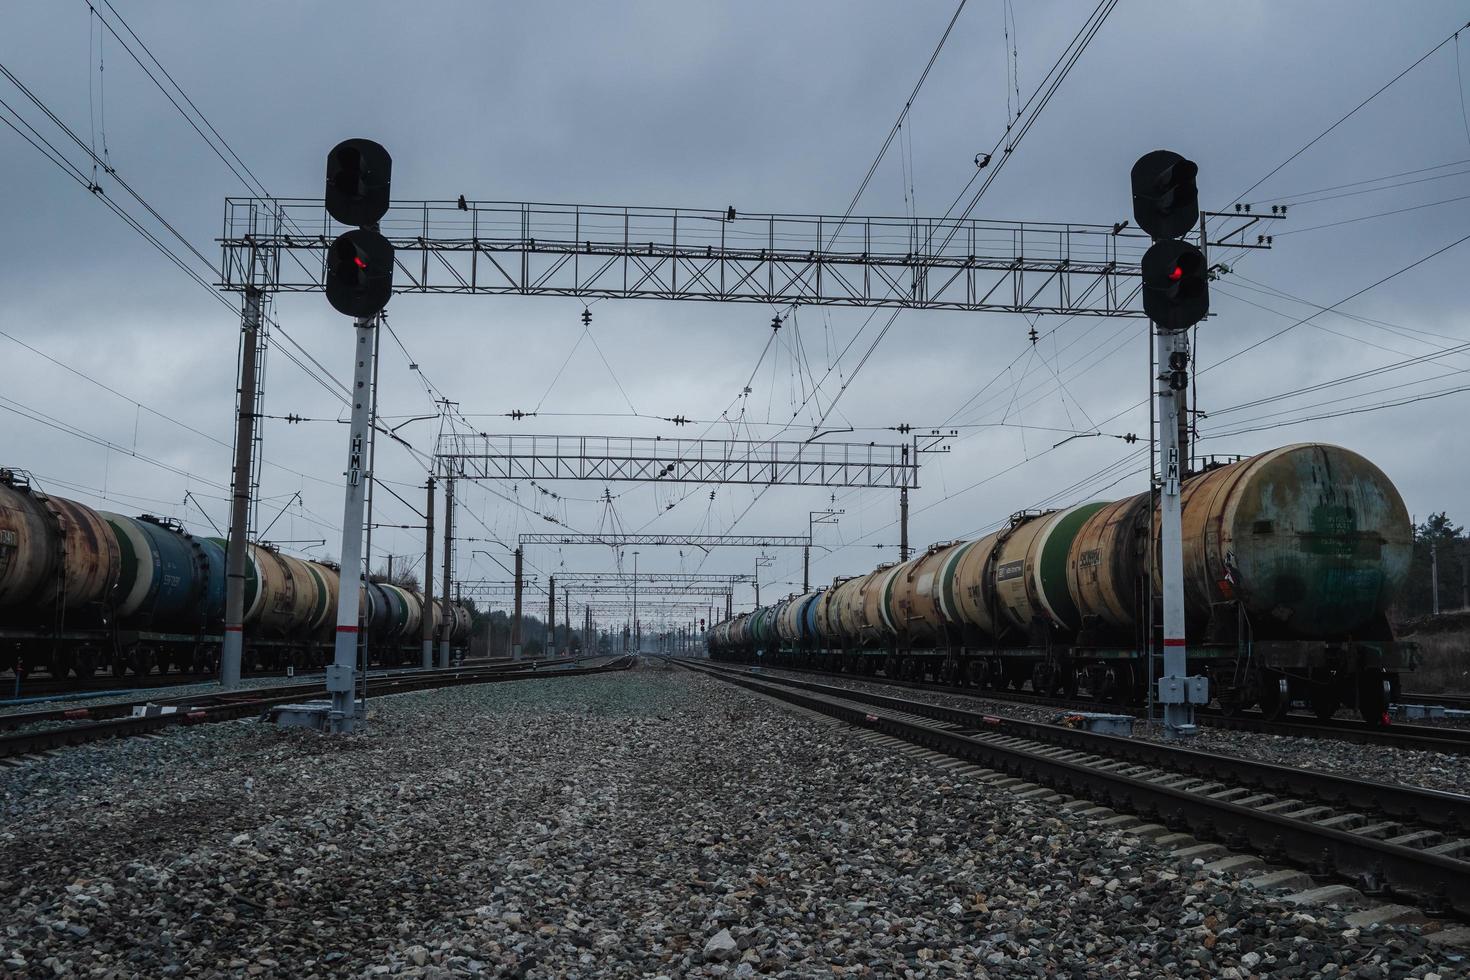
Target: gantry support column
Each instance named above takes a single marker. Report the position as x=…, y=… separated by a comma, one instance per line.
x=428, y=652
x=448, y=620
x=232, y=651
x=515, y=622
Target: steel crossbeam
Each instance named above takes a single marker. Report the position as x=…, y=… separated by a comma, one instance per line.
x=482, y=456
x=590, y=251
x=620, y=540
x=584, y=580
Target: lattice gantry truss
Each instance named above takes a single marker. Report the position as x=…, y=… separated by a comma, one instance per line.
x=482, y=456
x=589, y=251
x=704, y=541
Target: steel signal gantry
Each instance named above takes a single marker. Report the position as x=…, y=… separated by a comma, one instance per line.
x=482, y=456
x=668, y=253
x=702, y=541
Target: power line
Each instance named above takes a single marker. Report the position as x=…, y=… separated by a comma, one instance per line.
x=1313, y=141
x=1369, y=217
x=1347, y=411
x=898, y=123
x=1289, y=198
x=1345, y=299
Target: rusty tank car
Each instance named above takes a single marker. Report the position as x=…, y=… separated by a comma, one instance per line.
x=83, y=590
x=1291, y=560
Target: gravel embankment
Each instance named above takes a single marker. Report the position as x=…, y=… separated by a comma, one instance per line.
x=647, y=824
x=1384, y=763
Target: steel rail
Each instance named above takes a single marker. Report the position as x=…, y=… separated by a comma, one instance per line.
x=41, y=685
x=81, y=733
x=1420, y=738
x=306, y=687
x=1437, y=882
x=1442, y=810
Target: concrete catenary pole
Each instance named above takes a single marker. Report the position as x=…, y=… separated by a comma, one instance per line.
x=427, y=659
x=444, y=626
x=903, y=510
x=1464, y=581
x=232, y=652
x=1434, y=576
x=515, y=620
x=341, y=675
x=566, y=608
x=550, y=650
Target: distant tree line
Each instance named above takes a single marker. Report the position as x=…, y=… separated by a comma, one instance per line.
x=1437, y=537
x=533, y=633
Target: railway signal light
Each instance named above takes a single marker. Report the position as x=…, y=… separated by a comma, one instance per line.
x=1176, y=290
x=1178, y=370
x=359, y=273
x=359, y=280
x=1165, y=197
x=359, y=173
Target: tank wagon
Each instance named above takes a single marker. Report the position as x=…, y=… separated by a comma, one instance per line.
x=83, y=590
x=1291, y=560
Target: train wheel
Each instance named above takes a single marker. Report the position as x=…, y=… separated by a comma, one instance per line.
x=61, y=664
x=1324, y=701
x=1324, y=694
x=86, y=664
x=974, y=673
x=1375, y=689
x=1068, y=683
x=1275, y=695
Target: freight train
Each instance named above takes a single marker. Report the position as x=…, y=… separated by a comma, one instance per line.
x=1291, y=561
x=83, y=590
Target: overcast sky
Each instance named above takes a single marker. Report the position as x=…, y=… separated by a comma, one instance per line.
x=769, y=106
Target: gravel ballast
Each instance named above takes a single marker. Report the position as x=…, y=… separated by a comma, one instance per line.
x=644, y=824
x=1383, y=763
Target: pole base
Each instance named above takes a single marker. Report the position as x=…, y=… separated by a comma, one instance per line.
x=319, y=716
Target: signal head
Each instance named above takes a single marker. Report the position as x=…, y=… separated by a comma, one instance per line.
x=359, y=273
x=359, y=173
x=1176, y=288
x=1165, y=196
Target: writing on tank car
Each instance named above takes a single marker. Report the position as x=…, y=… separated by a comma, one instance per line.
x=1291, y=561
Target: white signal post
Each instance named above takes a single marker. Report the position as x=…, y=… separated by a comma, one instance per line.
x=1174, y=685
x=346, y=711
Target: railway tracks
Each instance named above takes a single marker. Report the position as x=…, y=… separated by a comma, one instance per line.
x=61, y=727
x=1423, y=738
x=1385, y=838
x=39, y=687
